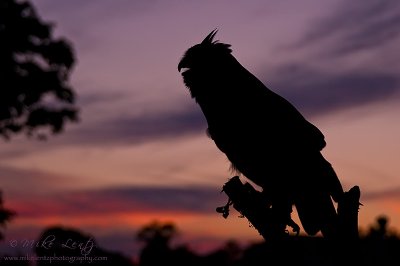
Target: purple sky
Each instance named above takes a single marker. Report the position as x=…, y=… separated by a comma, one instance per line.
x=141, y=139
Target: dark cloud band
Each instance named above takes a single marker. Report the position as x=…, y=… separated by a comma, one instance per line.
x=110, y=201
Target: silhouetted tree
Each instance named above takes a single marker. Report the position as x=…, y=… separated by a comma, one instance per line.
x=5, y=215
x=34, y=72
x=380, y=246
x=379, y=230
x=157, y=232
x=158, y=251
x=228, y=255
x=156, y=237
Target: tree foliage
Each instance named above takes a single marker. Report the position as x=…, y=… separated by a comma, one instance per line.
x=5, y=215
x=35, y=95
x=156, y=232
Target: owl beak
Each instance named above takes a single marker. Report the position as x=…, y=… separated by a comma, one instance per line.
x=181, y=65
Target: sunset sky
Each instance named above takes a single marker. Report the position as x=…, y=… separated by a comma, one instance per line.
x=140, y=152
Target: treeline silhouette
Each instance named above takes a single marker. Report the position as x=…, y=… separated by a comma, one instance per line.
x=67, y=246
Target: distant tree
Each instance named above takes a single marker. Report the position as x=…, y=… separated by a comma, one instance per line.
x=230, y=254
x=5, y=215
x=156, y=232
x=157, y=237
x=158, y=251
x=35, y=96
x=380, y=229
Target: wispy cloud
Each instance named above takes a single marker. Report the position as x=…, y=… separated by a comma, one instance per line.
x=356, y=26
x=136, y=129
x=340, y=61
x=16, y=181
x=392, y=193
x=316, y=92
x=120, y=200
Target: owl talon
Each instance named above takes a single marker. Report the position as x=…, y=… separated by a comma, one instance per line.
x=224, y=209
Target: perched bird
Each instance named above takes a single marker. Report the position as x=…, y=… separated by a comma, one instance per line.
x=264, y=136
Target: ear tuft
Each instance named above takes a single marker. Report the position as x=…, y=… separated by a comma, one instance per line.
x=210, y=37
